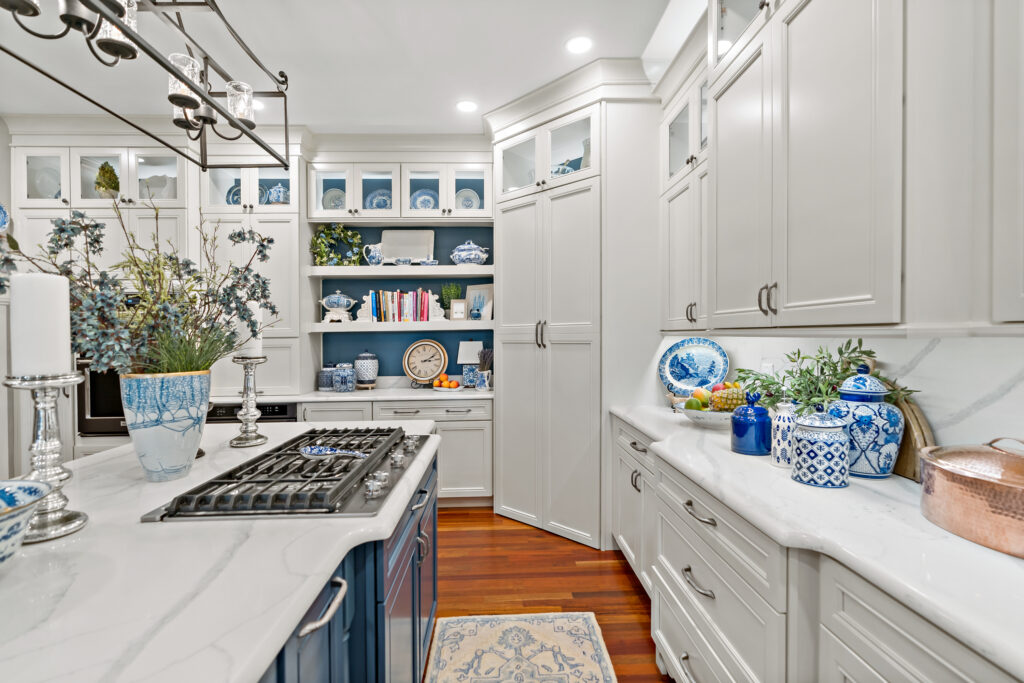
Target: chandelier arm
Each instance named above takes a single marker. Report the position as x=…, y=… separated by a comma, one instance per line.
x=213, y=127
x=44, y=36
x=116, y=60
x=95, y=31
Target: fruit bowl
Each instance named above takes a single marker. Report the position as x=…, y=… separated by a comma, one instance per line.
x=458, y=388
x=709, y=419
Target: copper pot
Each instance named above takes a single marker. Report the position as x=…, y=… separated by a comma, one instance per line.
x=976, y=492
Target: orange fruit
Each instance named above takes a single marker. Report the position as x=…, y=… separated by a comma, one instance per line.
x=443, y=377
x=455, y=384
x=446, y=384
x=437, y=382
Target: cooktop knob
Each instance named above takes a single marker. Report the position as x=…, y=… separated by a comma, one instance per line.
x=373, y=488
x=383, y=477
x=397, y=459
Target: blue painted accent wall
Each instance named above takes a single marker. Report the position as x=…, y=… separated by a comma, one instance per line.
x=357, y=289
x=341, y=347
x=445, y=239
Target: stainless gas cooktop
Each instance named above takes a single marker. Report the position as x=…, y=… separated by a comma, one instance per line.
x=284, y=482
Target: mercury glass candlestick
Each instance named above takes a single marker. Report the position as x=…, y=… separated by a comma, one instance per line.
x=248, y=435
x=52, y=519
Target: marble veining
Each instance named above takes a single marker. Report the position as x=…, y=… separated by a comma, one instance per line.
x=198, y=600
x=874, y=527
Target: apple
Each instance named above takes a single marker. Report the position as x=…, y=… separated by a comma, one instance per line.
x=719, y=387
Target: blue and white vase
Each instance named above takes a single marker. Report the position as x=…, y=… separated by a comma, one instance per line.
x=783, y=425
x=166, y=414
x=821, y=452
x=469, y=375
x=344, y=377
x=875, y=427
x=483, y=380
x=367, y=367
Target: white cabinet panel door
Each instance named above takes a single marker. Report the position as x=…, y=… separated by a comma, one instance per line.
x=740, y=240
x=572, y=256
x=837, y=159
x=281, y=269
x=627, y=508
x=464, y=459
x=278, y=376
x=518, y=440
x=169, y=227
x=571, y=478
x=681, y=253
x=518, y=273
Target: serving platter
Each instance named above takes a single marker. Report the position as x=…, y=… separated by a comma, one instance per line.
x=692, y=363
x=333, y=199
x=378, y=199
x=424, y=200
x=467, y=199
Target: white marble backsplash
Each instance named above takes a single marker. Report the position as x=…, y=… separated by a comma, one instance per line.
x=971, y=388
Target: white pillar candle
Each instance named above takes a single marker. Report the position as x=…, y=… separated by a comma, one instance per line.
x=254, y=345
x=40, y=325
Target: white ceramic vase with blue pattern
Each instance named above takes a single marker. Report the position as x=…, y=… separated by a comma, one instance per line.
x=166, y=414
x=18, y=501
x=783, y=425
x=875, y=427
x=821, y=452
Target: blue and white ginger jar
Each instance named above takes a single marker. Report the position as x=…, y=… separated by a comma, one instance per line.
x=821, y=452
x=367, y=367
x=344, y=377
x=18, y=501
x=278, y=194
x=470, y=253
x=783, y=425
x=875, y=427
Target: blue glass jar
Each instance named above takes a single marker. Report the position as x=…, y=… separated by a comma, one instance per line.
x=751, y=428
x=344, y=377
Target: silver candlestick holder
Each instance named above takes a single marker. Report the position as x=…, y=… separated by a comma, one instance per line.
x=52, y=519
x=248, y=435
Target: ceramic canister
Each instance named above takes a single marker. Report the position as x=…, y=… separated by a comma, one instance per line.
x=469, y=375
x=751, y=428
x=821, y=451
x=344, y=377
x=782, y=434
x=875, y=427
x=325, y=379
x=367, y=367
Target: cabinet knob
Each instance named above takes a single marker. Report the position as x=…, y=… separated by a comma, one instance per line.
x=762, y=4
x=64, y=201
x=543, y=182
x=537, y=183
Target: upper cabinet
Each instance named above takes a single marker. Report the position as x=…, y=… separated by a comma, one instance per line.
x=442, y=190
x=156, y=177
x=548, y=156
x=41, y=177
x=86, y=164
x=237, y=189
x=684, y=130
x=732, y=24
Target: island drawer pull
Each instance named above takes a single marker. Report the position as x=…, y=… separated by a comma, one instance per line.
x=710, y=521
x=688, y=575
x=414, y=411
x=684, y=663
x=636, y=447
x=423, y=503
x=331, y=609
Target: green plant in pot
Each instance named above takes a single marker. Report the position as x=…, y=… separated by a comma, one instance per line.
x=156, y=318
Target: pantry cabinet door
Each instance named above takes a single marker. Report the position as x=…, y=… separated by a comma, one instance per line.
x=739, y=211
x=571, y=254
x=627, y=508
x=518, y=281
x=680, y=254
x=1008, y=158
x=837, y=157
x=518, y=442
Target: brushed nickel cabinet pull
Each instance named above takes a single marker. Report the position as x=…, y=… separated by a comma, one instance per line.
x=636, y=447
x=331, y=609
x=710, y=521
x=688, y=575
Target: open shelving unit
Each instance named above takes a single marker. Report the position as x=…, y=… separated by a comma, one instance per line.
x=399, y=272
x=420, y=326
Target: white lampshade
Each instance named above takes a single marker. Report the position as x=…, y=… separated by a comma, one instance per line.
x=469, y=352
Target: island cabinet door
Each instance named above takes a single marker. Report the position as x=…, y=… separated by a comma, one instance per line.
x=427, y=568
x=398, y=621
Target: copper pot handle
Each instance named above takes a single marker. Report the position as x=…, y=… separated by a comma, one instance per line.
x=993, y=442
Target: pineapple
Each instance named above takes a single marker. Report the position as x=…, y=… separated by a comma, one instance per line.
x=727, y=399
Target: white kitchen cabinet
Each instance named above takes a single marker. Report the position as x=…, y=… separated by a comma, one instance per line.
x=280, y=375
x=343, y=190
x=155, y=176
x=684, y=130
x=1008, y=162
x=237, y=189
x=41, y=177
x=281, y=269
x=628, y=508
x=550, y=330
x=85, y=165
x=684, y=230
x=464, y=460
x=5, y=440
x=33, y=226
x=336, y=411
x=458, y=190
x=376, y=190
x=330, y=190
x=739, y=211
x=732, y=26
x=167, y=228
x=562, y=151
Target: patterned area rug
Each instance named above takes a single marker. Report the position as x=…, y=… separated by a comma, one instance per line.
x=560, y=647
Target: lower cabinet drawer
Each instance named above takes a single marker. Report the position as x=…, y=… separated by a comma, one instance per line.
x=439, y=411
x=336, y=411
x=888, y=637
x=682, y=651
x=633, y=442
x=741, y=625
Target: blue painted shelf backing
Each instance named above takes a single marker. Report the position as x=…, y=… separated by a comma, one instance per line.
x=445, y=240
x=391, y=346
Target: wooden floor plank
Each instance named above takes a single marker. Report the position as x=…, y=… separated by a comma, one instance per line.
x=489, y=564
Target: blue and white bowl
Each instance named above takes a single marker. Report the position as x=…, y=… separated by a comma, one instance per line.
x=317, y=452
x=18, y=500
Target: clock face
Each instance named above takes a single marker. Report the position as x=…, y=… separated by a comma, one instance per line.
x=425, y=360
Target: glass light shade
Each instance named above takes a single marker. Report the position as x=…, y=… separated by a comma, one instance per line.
x=177, y=92
x=26, y=8
x=240, y=102
x=112, y=41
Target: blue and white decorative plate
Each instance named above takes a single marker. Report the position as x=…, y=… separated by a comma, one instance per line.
x=467, y=199
x=378, y=199
x=423, y=199
x=4, y=218
x=328, y=451
x=333, y=199
x=692, y=363
x=234, y=195
x=562, y=169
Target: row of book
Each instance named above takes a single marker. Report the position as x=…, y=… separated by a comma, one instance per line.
x=400, y=307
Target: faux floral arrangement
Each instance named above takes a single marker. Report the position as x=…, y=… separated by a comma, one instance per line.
x=335, y=245
x=154, y=311
x=812, y=381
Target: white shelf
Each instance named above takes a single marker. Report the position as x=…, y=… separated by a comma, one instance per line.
x=430, y=325
x=402, y=272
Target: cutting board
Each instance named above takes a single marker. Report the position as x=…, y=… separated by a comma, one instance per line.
x=917, y=434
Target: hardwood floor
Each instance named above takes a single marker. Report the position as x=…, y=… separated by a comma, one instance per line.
x=488, y=564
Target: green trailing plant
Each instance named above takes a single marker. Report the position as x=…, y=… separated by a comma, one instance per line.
x=813, y=380
x=450, y=291
x=335, y=245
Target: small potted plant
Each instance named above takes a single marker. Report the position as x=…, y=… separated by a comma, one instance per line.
x=158, y=319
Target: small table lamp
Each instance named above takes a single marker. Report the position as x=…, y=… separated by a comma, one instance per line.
x=469, y=359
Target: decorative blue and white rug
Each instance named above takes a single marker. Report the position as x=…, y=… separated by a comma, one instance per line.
x=560, y=647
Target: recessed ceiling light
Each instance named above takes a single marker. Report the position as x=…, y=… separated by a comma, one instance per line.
x=466, y=106
x=257, y=105
x=579, y=45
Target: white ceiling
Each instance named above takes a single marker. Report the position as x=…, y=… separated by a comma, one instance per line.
x=355, y=66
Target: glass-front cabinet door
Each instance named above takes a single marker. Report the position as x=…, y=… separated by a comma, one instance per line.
x=572, y=145
x=679, y=142
x=42, y=177
x=516, y=165
x=469, y=187
x=155, y=176
x=222, y=190
x=330, y=188
x=274, y=187
x=376, y=190
x=731, y=25
x=684, y=130
x=93, y=170
x=424, y=190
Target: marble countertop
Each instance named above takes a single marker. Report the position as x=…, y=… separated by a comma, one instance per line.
x=874, y=527
x=184, y=601
x=388, y=394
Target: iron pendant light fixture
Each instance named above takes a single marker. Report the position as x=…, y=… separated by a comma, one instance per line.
x=110, y=28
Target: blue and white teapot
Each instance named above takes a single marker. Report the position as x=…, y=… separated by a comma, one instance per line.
x=338, y=306
x=469, y=253
x=278, y=195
